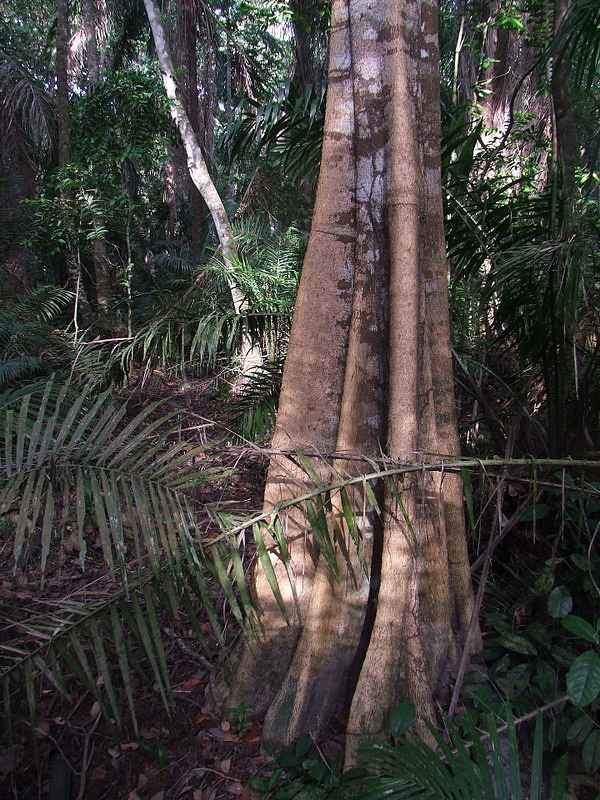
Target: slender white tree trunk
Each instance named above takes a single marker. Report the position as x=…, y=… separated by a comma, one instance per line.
x=200, y=175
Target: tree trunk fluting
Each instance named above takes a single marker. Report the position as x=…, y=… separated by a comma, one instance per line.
x=369, y=372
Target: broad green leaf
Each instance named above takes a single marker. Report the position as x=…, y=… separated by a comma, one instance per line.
x=519, y=644
x=86, y=427
x=402, y=718
x=48, y=442
x=590, y=752
x=47, y=526
x=309, y=469
x=560, y=602
x=225, y=581
x=535, y=512
x=149, y=636
x=496, y=757
x=66, y=429
x=80, y=511
x=81, y=667
x=117, y=453
x=27, y=502
x=198, y=584
x=514, y=759
x=317, y=517
x=468, y=493
x=371, y=498
x=279, y=536
x=583, y=678
x=21, y=433
x=560, y=778
x=7, y=467
x=102, y=431
x=579, y=729
x=239, y=577
x=102, y=522
x=580, y=627
x=53, y=674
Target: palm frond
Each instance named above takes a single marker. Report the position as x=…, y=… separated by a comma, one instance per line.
x=290, y=127
x=71, y=462
x=24, y=99
x=577, y=39
x=254, y=408
x=466, y=762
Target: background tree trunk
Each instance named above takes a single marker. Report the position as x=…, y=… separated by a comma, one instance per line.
x=369, y=371
x=62, y=80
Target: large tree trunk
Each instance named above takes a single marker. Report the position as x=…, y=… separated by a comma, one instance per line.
x=369, y=371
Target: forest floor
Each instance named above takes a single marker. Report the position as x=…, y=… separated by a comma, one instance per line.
x=195, y=754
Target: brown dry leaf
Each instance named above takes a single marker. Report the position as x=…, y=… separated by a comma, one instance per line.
x=10, y=758
x=99, y=773
x=226, y=765
x=71, y=543
x=95, y=710
x=185, y=687
x=158, y=796
x=199, y=718
x=133, y=796
x=42, y=729
x=130, y=746
x=252, y=736
x=248, y=793
x=222, y=736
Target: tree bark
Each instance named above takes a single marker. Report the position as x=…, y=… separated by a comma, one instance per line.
x=62, y=81
x=369, y=371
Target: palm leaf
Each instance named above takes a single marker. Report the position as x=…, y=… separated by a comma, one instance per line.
x=461, y=766
x=63, y=464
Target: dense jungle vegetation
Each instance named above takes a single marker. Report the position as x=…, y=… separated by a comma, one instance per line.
x=140, y=366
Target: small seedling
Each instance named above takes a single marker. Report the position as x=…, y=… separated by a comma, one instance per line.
x=239, y=717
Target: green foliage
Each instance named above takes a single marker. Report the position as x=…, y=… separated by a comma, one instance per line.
x=254, y=407
x=289, y=127
x=71, y=462
x=123, y=118
x=31, y=345
x=542, y=639
x=239, y=717
x=303, y=774
x=467, y=761
x=193, y=332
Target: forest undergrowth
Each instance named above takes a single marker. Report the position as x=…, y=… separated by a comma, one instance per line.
x=537, y=579
x=193, y=753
